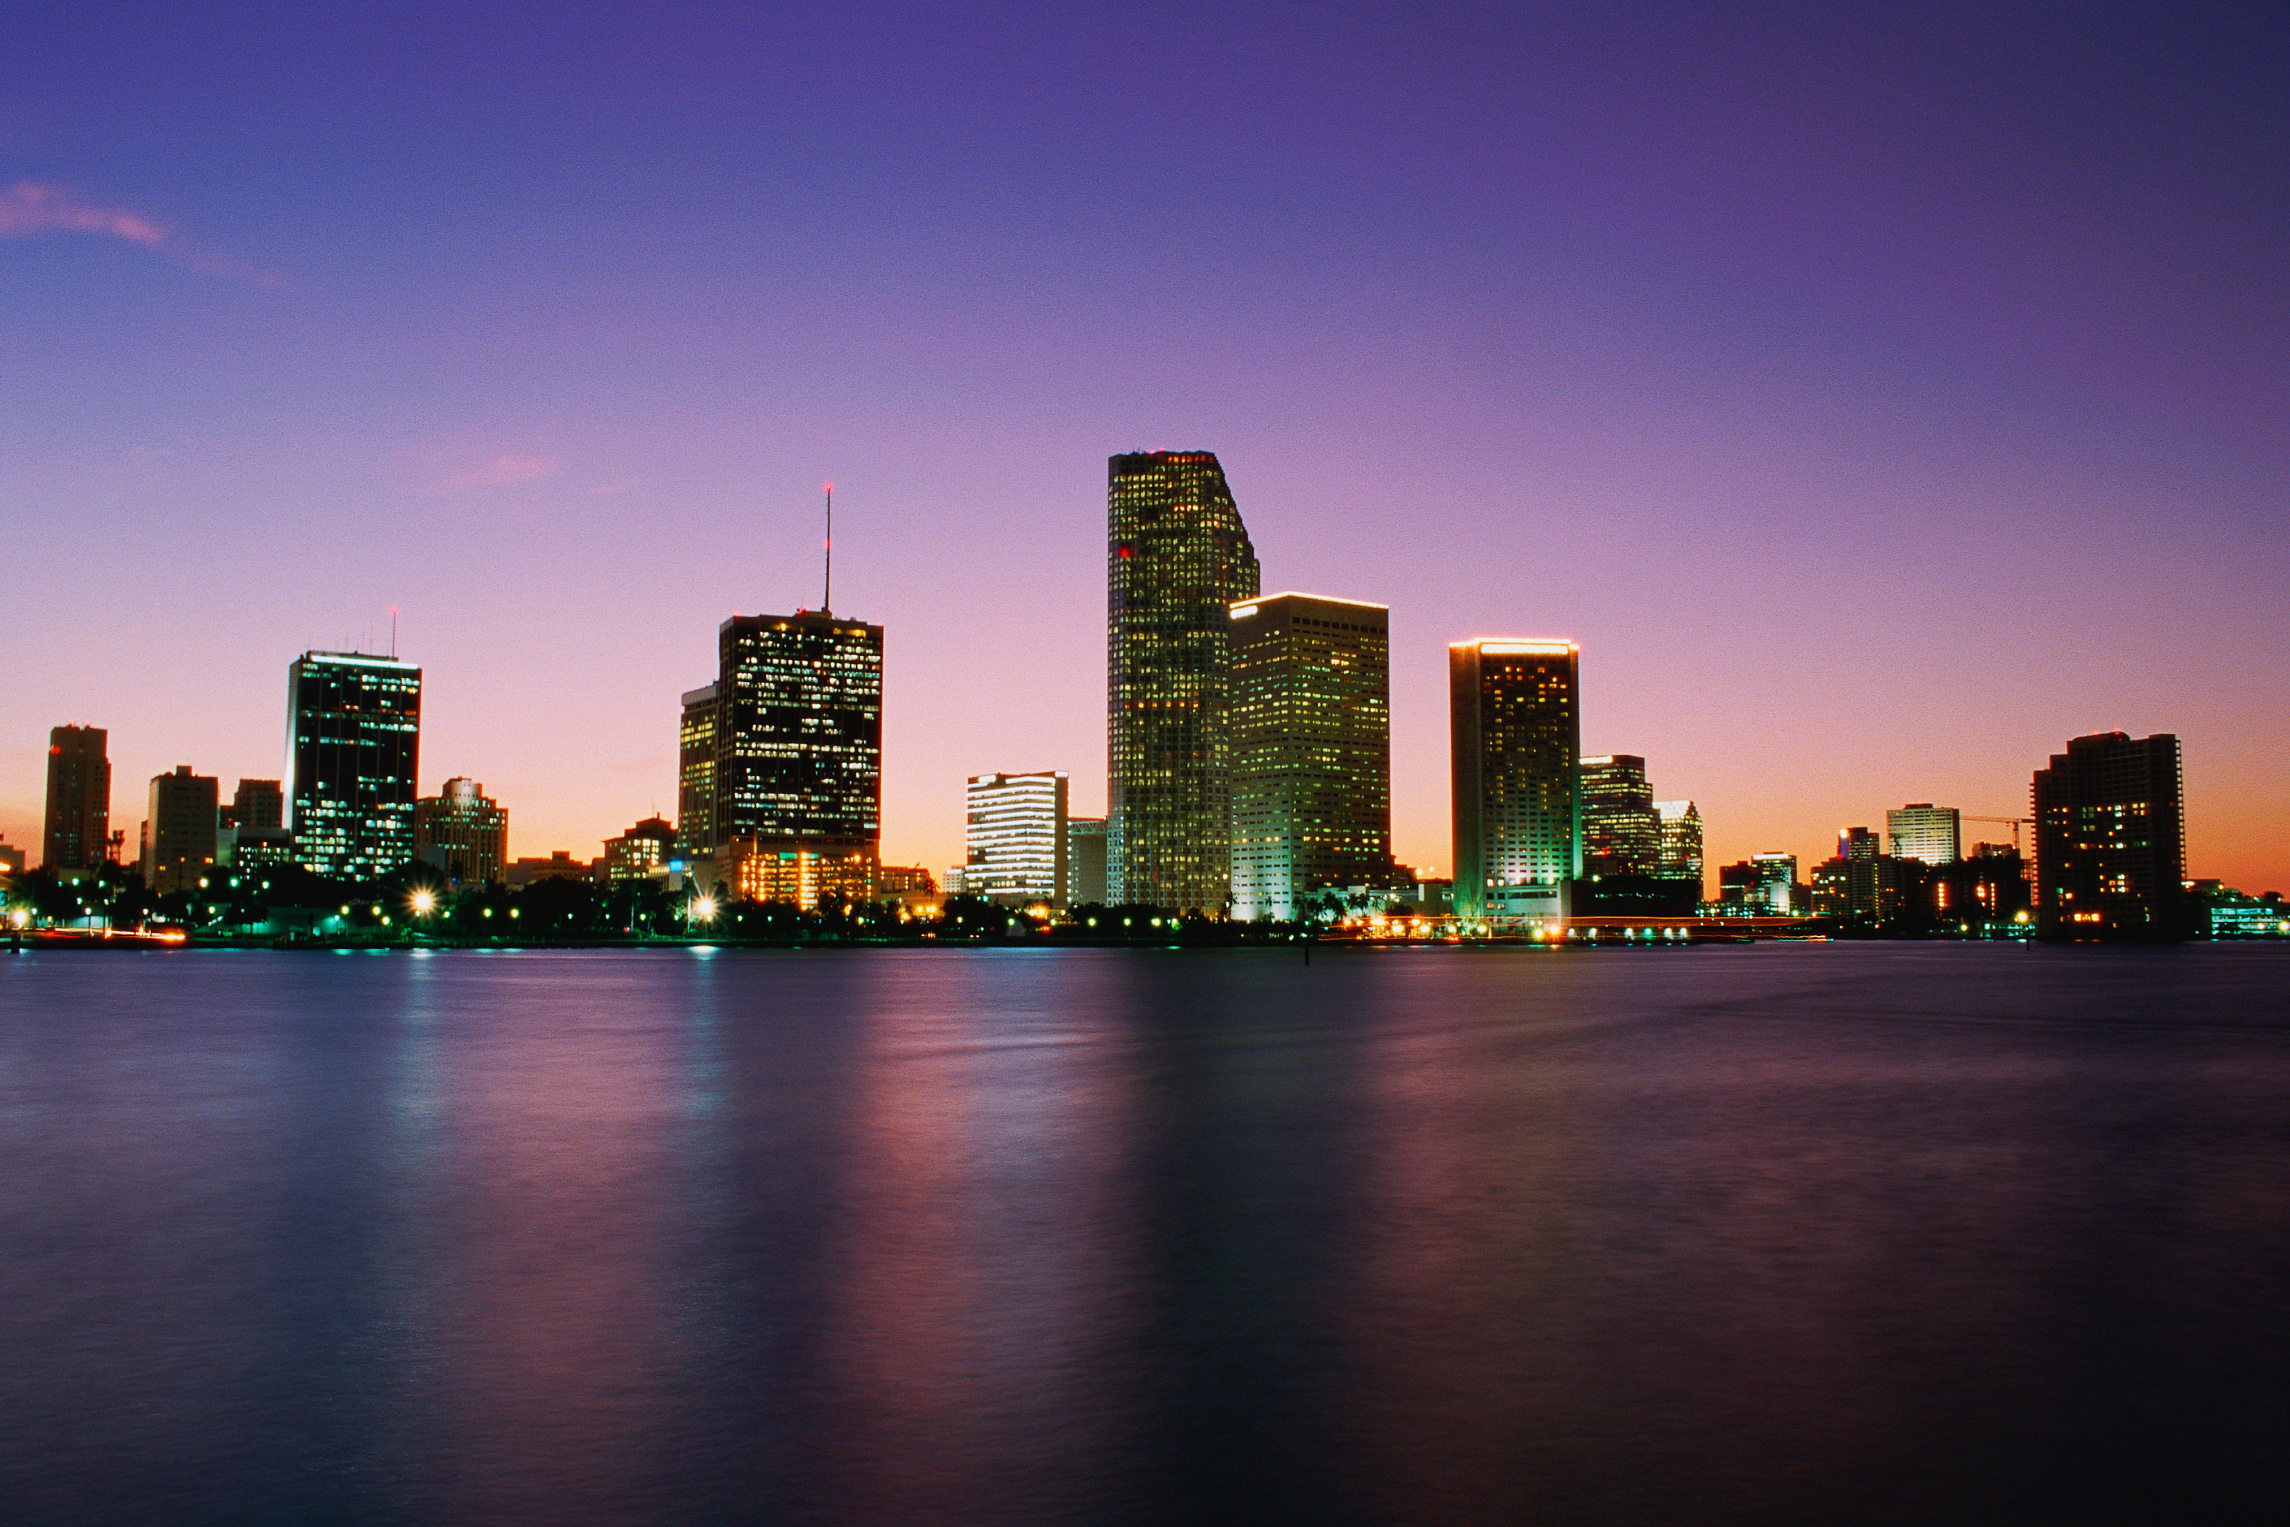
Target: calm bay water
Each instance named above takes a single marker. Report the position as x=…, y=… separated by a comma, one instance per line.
x=1894, y=1233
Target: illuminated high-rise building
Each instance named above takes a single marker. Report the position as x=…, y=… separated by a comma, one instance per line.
x=1015, y=839
x=1923, y=831
x=2111, y=847
x=1621, y=831
x=1177, y=559
x=696, y=772
x=353, y=745
x=1311, y=751
x=799, y=756
x=78, y=833
x=1681, y=840
x=462, y=832
x=1516, y=734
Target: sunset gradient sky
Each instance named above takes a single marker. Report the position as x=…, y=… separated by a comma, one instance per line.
x=1880, y=395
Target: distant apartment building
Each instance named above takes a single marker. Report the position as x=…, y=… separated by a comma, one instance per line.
x=353, y=748
x=1085, y=861
x=1015, y=838
x=1621, y=830
x=463, y=833
x=78, y=827
x=2111, y=840
x=1311, y=751
x=179, y=827
x=1516, y=738
x=1681, y=840
x=1763, y=885
x=641, y=853
x=1924, y=832
x=905, y=882
x=11, y=859
x=696, y=772
x=257, y=803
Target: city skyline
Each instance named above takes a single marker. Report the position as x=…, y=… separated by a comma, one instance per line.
x=1490, y=308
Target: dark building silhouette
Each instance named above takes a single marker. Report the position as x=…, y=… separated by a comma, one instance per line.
x=78, y=835
x=1177, y=559
x=258, y=803
x=1621, y=831
x=2111, y=846
x=1311, y=751
x=798, y=779
x=353, y=745
x=179, y=830
x=1515, y=711
x=1990, y=886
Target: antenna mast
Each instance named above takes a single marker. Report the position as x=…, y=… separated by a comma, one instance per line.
x=827, y=595
x=393, y=632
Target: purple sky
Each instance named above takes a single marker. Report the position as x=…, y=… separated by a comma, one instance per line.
x=1880, y=399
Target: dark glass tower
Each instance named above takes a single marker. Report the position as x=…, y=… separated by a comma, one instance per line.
x=2111, y=848
x=1311, y=751
x=1177, y=559
x=78, y=832
x=798, y=719
x=353, y=745
x=1517, y=735
x=1621, y=832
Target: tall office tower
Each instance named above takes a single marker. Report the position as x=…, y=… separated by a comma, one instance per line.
x=258, y=803
x=1925, y=832
x=1177, y=559
x=799, y=756
x=179, y=830
x=1681, y=840
x=696, y=773
x=462, y=832
x=1621, y=831
x=1085, y=861
x=1015, y=847
x=1516, y=735
x=2111, y=846
x=353, y=744
x=1311, y=751
x=79, y=799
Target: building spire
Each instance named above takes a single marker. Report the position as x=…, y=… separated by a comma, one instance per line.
x=827, y=594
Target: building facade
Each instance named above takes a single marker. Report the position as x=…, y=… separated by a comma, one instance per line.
x=353, y=747
x=1015, y=838
x=1177, y=559
x=798, y=780
x=1311, y=751
x=1924, y=832
x=463, y=833
x=1516, y=735
x=640, y=853
x=1085, y=861
x=2111, y=848
x=1621, y=831
x=179, y=830
x=1763, y=885
x=696, y=772
x=1681, y=840
x=258, y=803
x=78, y=835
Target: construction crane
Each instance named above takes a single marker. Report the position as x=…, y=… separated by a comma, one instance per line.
x=2015, y=823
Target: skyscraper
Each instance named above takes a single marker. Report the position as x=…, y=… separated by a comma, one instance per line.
x=1923, y=831
x=1015, y=839
x=1681, y=840
x=2111, y=847
x=353, y=746
x=1177, y=559
x=462, y=832
x=78, y=833
x=799, y=755
x=1621, y=832
x=179, y=830
x=1311, y=707
x=1516, y=735
x=696, y=772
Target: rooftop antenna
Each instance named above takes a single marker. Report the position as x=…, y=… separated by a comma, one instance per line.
x=393, y=633
x=827, y=594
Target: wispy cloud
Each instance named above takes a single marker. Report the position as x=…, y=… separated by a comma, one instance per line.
x=618, y=485
x=502, y=471
x=29, y=209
